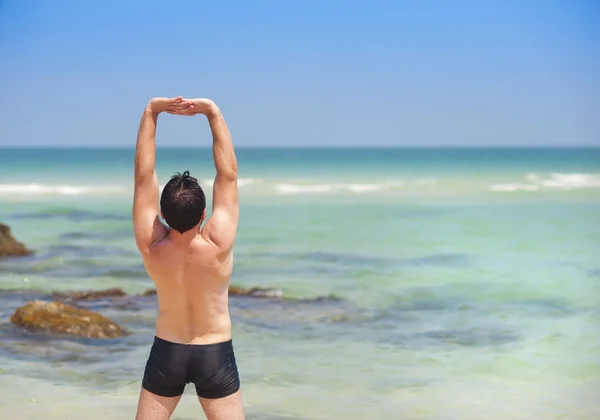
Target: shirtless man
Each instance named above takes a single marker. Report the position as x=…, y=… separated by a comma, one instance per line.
x=191, y=267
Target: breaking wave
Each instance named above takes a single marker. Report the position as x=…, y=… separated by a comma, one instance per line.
x=553, y=181
x=324, y=188
x=242, y=182
x=532, y=183
x=41, y=189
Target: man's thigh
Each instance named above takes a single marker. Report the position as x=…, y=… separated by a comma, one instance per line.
x=226, y=408
x=155, y=407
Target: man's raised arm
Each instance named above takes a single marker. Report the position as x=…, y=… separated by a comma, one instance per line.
x=146, y=223
x=222, y=226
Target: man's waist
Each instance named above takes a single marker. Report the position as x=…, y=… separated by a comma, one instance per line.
x=191, y=332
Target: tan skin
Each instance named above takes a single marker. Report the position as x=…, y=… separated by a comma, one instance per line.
x=192, y=270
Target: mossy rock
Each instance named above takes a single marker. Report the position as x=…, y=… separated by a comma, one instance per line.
x=61, y=318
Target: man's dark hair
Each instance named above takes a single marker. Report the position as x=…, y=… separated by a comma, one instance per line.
x=182, y=202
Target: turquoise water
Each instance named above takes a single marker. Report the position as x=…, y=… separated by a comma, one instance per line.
x=419, y=284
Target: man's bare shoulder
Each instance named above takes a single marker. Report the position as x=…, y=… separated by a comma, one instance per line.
x=201, y=245
x=222, y=253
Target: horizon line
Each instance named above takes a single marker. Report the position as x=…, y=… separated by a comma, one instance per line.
x=299, y=147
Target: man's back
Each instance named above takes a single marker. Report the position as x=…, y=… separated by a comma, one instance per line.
x=192, y=282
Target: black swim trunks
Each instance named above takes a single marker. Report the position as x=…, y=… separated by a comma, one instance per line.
x=211, y=367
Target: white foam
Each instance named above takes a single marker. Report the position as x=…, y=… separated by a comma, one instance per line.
x=42, y=189
x=325, y=187
x=553, y=181
x=247, y=181
x=299, y=189
x=513, y=187
x=364, y=187
x=288, y=188
x=242, y=182
x=571, y=181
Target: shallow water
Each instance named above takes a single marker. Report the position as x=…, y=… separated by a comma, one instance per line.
x=413, y=289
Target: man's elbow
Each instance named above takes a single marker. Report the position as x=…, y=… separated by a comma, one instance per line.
x=141, y=172
x=143, y=176
x=230, y=172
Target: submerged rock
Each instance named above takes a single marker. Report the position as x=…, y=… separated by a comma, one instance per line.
x=90, y=295
x=255, y=292
x=61, y=318
x=9, y=247
x=262, y=292
x=240, y=291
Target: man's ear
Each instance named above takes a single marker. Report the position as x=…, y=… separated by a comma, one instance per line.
x=203, y=216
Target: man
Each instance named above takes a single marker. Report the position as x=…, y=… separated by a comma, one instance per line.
x=191, y=267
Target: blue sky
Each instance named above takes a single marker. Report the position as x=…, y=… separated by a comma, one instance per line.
x=427, y=73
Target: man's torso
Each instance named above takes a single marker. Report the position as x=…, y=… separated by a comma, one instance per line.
x=192, y=282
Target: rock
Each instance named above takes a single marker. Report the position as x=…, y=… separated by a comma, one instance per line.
x=9, y=247
x=240, y=291
x=236, y=290
x=255, y=292
x=90, y=295
x=266, y=293
x=61, y=318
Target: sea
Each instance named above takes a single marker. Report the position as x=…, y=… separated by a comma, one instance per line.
x=440, y=284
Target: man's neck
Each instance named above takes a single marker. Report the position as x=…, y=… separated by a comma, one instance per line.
x=185, y=237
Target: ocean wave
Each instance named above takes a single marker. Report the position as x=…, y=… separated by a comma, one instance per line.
x=355, y=187
x=528, y=183
x=42, y=189
x=513, y=187
x=242, y=182
x=570, y=181
x=36, y=189
x=285, y=188
x=552, y=181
